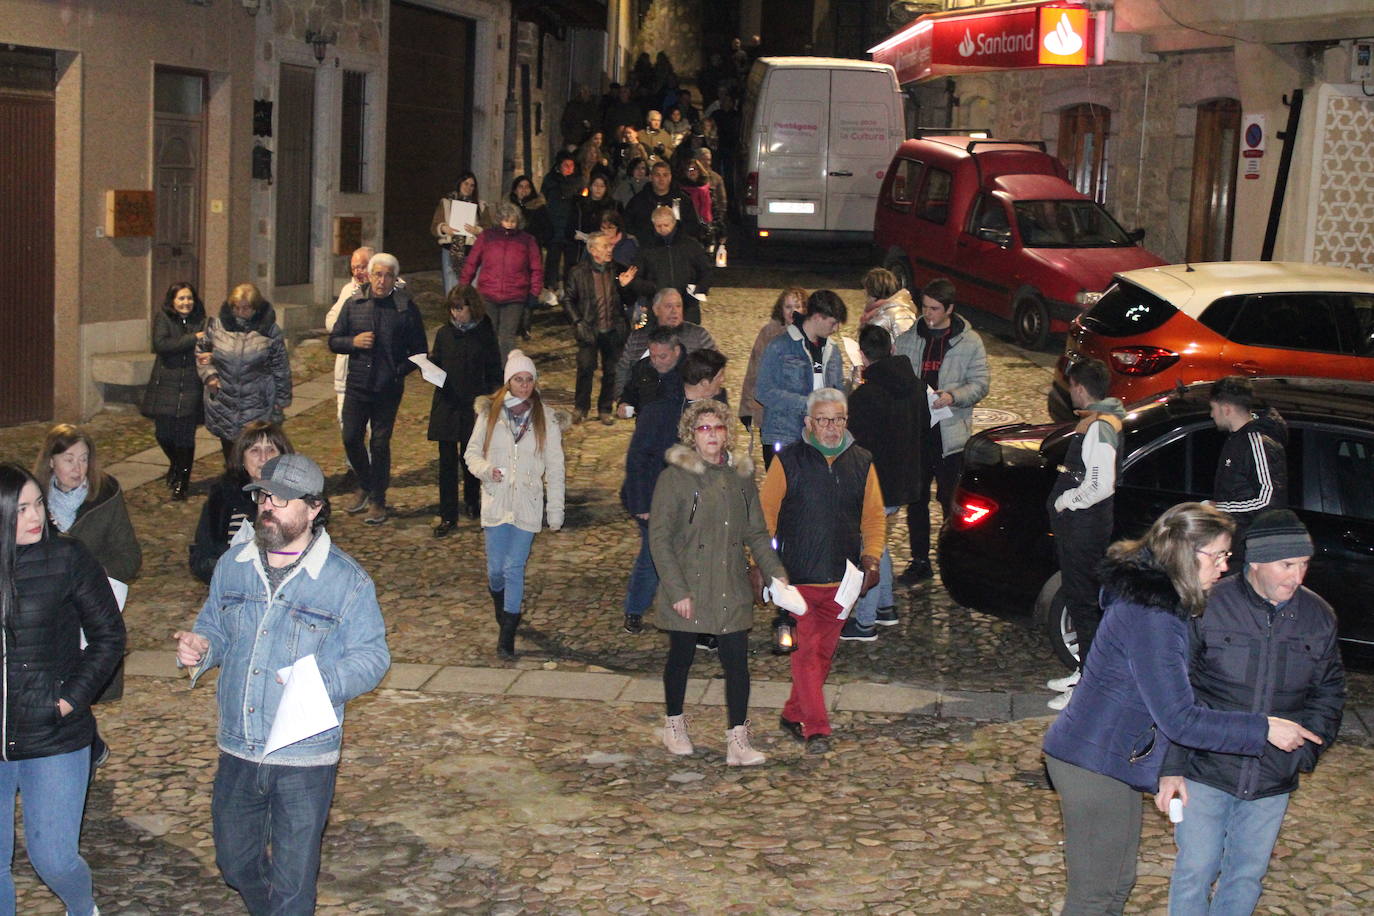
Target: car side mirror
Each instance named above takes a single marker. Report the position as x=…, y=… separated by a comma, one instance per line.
x=999, y=237
x=1136, y=235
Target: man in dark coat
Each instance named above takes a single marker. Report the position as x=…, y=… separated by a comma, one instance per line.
x=1266, y=644
x=597, y=301
x=661, y=191
x=671, y=258
x=560, y=190
x=702, y=375
x=1252, y=470
x=888, y=415
x=380, y=329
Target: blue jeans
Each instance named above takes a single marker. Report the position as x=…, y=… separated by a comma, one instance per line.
x=639, y=597
x=880, y=595
x=1226, y=839
x=508, y=549
x=268, y=823
x=54, y=793
x=450, y=266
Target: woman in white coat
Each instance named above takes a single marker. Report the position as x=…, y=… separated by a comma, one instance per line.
x=516, y=451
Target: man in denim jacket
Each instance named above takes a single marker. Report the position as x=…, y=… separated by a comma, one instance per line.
x=797, y=362
x=288, y=595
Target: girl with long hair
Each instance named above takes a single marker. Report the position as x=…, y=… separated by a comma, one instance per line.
x=172, y=398
x=516, y=451
x=456, y=241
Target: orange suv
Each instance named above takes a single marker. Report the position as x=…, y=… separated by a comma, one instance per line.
x=1161, y=326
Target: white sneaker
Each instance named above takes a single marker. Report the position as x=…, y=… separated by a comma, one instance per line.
x=1061, y=701
x=1064, y=683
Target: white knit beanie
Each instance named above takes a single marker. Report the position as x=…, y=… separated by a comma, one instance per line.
x=518, y=362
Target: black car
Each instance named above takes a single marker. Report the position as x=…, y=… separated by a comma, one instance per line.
x=996, y=550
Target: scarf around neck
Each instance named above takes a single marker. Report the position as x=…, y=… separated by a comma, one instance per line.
x=64, y=504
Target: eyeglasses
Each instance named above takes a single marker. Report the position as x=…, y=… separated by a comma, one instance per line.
x=829, y=421
x=262, y=496
x=1217, y=557
x=710, y=428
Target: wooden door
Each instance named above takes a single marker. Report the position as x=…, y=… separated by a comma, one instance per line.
x=27, y=149
x=178, y=156
x=295, y=173
x=1211, y=211
x=1084, y=132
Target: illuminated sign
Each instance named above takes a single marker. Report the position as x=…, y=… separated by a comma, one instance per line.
x=1040, y=35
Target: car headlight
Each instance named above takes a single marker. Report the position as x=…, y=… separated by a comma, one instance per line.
x=1086, y=297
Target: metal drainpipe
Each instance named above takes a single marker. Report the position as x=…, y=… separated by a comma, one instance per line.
x=1140, y=161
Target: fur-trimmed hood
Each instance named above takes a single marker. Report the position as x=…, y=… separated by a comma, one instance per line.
x=1137, y=580
x=482, y=403
x=687, y=458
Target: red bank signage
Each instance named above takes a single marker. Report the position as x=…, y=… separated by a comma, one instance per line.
x=1037, y=35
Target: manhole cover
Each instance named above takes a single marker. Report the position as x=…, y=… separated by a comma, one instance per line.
x=992, y=416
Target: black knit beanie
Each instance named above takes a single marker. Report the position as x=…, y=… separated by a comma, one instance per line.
x=1276, y=534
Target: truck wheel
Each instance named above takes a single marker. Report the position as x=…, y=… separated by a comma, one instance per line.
x=901, y=268
x=1052, y=618
x=1031, y=322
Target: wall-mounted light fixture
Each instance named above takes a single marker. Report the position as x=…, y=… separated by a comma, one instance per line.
x=320, y=41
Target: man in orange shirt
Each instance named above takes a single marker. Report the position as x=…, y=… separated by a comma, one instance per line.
x=824, y=508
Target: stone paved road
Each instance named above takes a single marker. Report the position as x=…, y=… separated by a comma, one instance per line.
x=490, y=804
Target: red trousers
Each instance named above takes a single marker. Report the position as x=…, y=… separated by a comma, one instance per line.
x=818, y=632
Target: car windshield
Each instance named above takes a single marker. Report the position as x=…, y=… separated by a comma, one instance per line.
x=1068, y=224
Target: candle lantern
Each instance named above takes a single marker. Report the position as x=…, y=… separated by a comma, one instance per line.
x=784, y=634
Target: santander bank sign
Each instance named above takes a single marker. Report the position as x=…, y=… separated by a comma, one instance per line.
x=1050, y=34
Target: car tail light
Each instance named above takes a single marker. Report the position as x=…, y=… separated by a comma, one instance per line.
x=971, y=509
x=751, y=189
x=1142, y=360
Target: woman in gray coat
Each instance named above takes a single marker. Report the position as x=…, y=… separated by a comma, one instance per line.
x=704, y=513
x=243, y=363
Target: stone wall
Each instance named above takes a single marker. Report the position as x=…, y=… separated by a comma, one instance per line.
x=359, y=24
x=673, y=26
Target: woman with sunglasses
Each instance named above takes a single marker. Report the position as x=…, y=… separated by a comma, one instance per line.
x=1134, y=701
x=705, y=511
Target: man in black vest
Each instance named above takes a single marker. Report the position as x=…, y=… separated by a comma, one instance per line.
x=824, y=508
x=1080, y=505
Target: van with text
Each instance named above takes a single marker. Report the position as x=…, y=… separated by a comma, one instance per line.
x=818, y=136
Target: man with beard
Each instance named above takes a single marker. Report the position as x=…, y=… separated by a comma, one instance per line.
x=288, y=600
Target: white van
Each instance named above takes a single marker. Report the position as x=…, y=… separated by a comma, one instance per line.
x=818, y=136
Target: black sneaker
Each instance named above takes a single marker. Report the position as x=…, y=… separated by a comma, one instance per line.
x=856, y=632
x=887, y=617
x=100, y=752
x=818, y=744
x=634, y=623
x=708, y=642
x=792, y=728
x=917, y=572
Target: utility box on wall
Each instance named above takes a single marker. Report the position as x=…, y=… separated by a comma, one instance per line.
x=130, y=213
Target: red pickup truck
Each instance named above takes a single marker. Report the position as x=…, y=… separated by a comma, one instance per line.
x=1000, y=219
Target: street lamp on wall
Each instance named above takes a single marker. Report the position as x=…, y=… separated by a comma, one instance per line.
x=320, y=41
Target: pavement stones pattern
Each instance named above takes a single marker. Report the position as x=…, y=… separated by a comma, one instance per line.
x=459, y=793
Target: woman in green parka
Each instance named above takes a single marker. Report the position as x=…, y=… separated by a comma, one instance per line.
x=705, y=512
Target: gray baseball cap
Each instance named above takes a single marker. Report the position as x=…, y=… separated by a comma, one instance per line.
x=290, y=476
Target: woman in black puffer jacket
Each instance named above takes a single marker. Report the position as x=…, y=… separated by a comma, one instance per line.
x=173, y=396
x=51, y=589
x=229, y=513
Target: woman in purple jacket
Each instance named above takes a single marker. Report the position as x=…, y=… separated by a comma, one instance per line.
x=509, y=272
x=1134, y=699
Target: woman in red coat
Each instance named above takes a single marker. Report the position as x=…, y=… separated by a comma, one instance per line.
x=511, y=272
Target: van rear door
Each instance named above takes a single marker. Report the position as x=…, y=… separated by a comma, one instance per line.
x=792, y=159
x=864, y=129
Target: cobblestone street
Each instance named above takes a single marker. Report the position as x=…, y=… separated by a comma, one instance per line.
x=462, y=791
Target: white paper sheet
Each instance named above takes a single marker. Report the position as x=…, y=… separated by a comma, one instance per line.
x=785, y=596
x=850, y=346
x=460, y=213
x=848, y=592
x=304, y=709
x=936, y=413
x=121, y=593
x=430, y=372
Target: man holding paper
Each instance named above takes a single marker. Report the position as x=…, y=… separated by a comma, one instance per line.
x=824, y=508
x=379, y=330
x=294, y=626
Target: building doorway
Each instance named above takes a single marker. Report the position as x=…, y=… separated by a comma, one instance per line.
x=295, y=173
x=28, y=143
x=429, y=126
x=1084, y=131
x=178, y=177
x=1211, y=211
